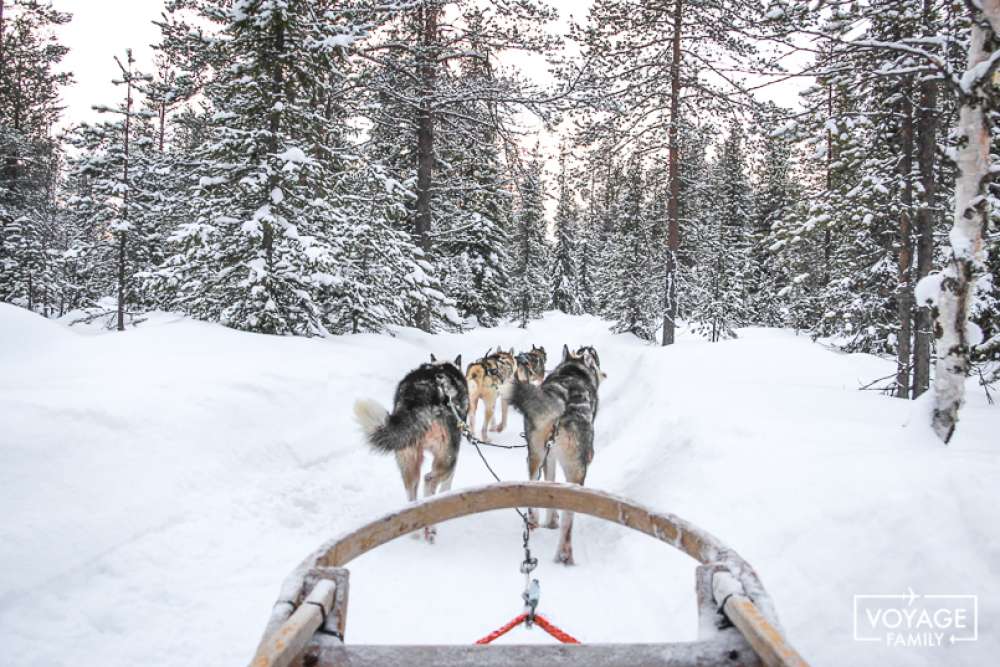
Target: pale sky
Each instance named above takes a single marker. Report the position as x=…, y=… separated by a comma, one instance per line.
x=101, y=29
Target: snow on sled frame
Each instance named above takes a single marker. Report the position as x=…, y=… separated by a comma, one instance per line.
x=307, y=623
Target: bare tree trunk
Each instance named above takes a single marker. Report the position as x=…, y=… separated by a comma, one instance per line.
x=827, y=235
x=904, y=290
x=970, y=218
x=428, y=14
x=673, y=205
x=927, y=141
x=123, y=232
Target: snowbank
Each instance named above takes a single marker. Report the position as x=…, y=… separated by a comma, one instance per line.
x=160, y=483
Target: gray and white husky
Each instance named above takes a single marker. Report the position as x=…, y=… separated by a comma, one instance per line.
x=425, y=416
x=567, y=402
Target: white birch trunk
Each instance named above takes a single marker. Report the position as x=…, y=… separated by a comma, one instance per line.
x=966, y=236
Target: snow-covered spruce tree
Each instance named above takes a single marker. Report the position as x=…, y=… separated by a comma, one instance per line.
x=268, y=197
x=30, y=237
x=872, y=122
x=648, y=65
x=592, y=235
x=901, y=46
x=851, y=216
x=776, y=193
x=632, y=290
x=565, y=288
x=719, y=300
x=588, y=269
x=611, y=211
x=530, y=286
x=444, y=99
x=384, y=277
x=985, y=311
x=112, y=204
x=694, y=192
x=473, y=203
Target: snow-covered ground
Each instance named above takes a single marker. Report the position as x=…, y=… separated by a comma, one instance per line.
x=157, y=486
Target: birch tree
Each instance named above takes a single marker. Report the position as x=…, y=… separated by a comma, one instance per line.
x=976, y=168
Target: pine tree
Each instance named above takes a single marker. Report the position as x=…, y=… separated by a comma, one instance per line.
x=440, y=96
x=29, y=156
x=723, y=250
x=872, y=126
x=268, y=196
x=633, y=292
x=530, y=287
x=776, y=194
x=643, y=76
x=472, y=199
x=564, y=270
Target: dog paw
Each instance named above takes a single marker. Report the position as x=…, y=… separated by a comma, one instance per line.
x=553, y=521
x=566, y=558
x=430, y=534
x=497, y=428
x=532, y=519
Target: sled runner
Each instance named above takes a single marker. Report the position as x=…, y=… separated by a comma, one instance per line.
x=737, y=624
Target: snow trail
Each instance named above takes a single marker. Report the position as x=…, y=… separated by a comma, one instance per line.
x=158, y=485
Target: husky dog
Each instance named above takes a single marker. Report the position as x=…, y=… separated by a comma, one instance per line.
x=531, y=365
x=487, y=379
x=423, y=418
x=566, y=401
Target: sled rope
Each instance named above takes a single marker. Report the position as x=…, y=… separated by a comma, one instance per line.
x=467, y=432
x=532, y=589
x=542, y=622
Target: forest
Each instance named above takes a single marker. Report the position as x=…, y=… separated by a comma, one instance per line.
x=323, y=167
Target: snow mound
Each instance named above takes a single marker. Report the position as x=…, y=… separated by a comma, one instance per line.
x=23, y=332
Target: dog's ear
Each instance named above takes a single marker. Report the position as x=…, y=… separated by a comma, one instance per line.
x=458, y=361
x=511, y=353
x=566, y=354
x=433, y=358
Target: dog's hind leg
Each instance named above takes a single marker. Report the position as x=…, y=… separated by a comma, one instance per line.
x=551, y=516
x=488, y=417
x=503, y=415
x=409, y=461
x=575, y=474
x=473, y=406
x=536, y=450
x=442, y=469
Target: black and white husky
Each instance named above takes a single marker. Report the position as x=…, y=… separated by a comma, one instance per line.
x=426, y=410
x=566, y=401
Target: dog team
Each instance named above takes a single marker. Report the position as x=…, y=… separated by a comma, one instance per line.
x=435, y=400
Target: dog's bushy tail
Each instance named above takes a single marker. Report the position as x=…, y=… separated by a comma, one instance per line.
x=390, y=432
x=533, y=402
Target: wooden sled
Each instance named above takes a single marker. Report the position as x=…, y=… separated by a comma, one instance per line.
x=737, y=622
